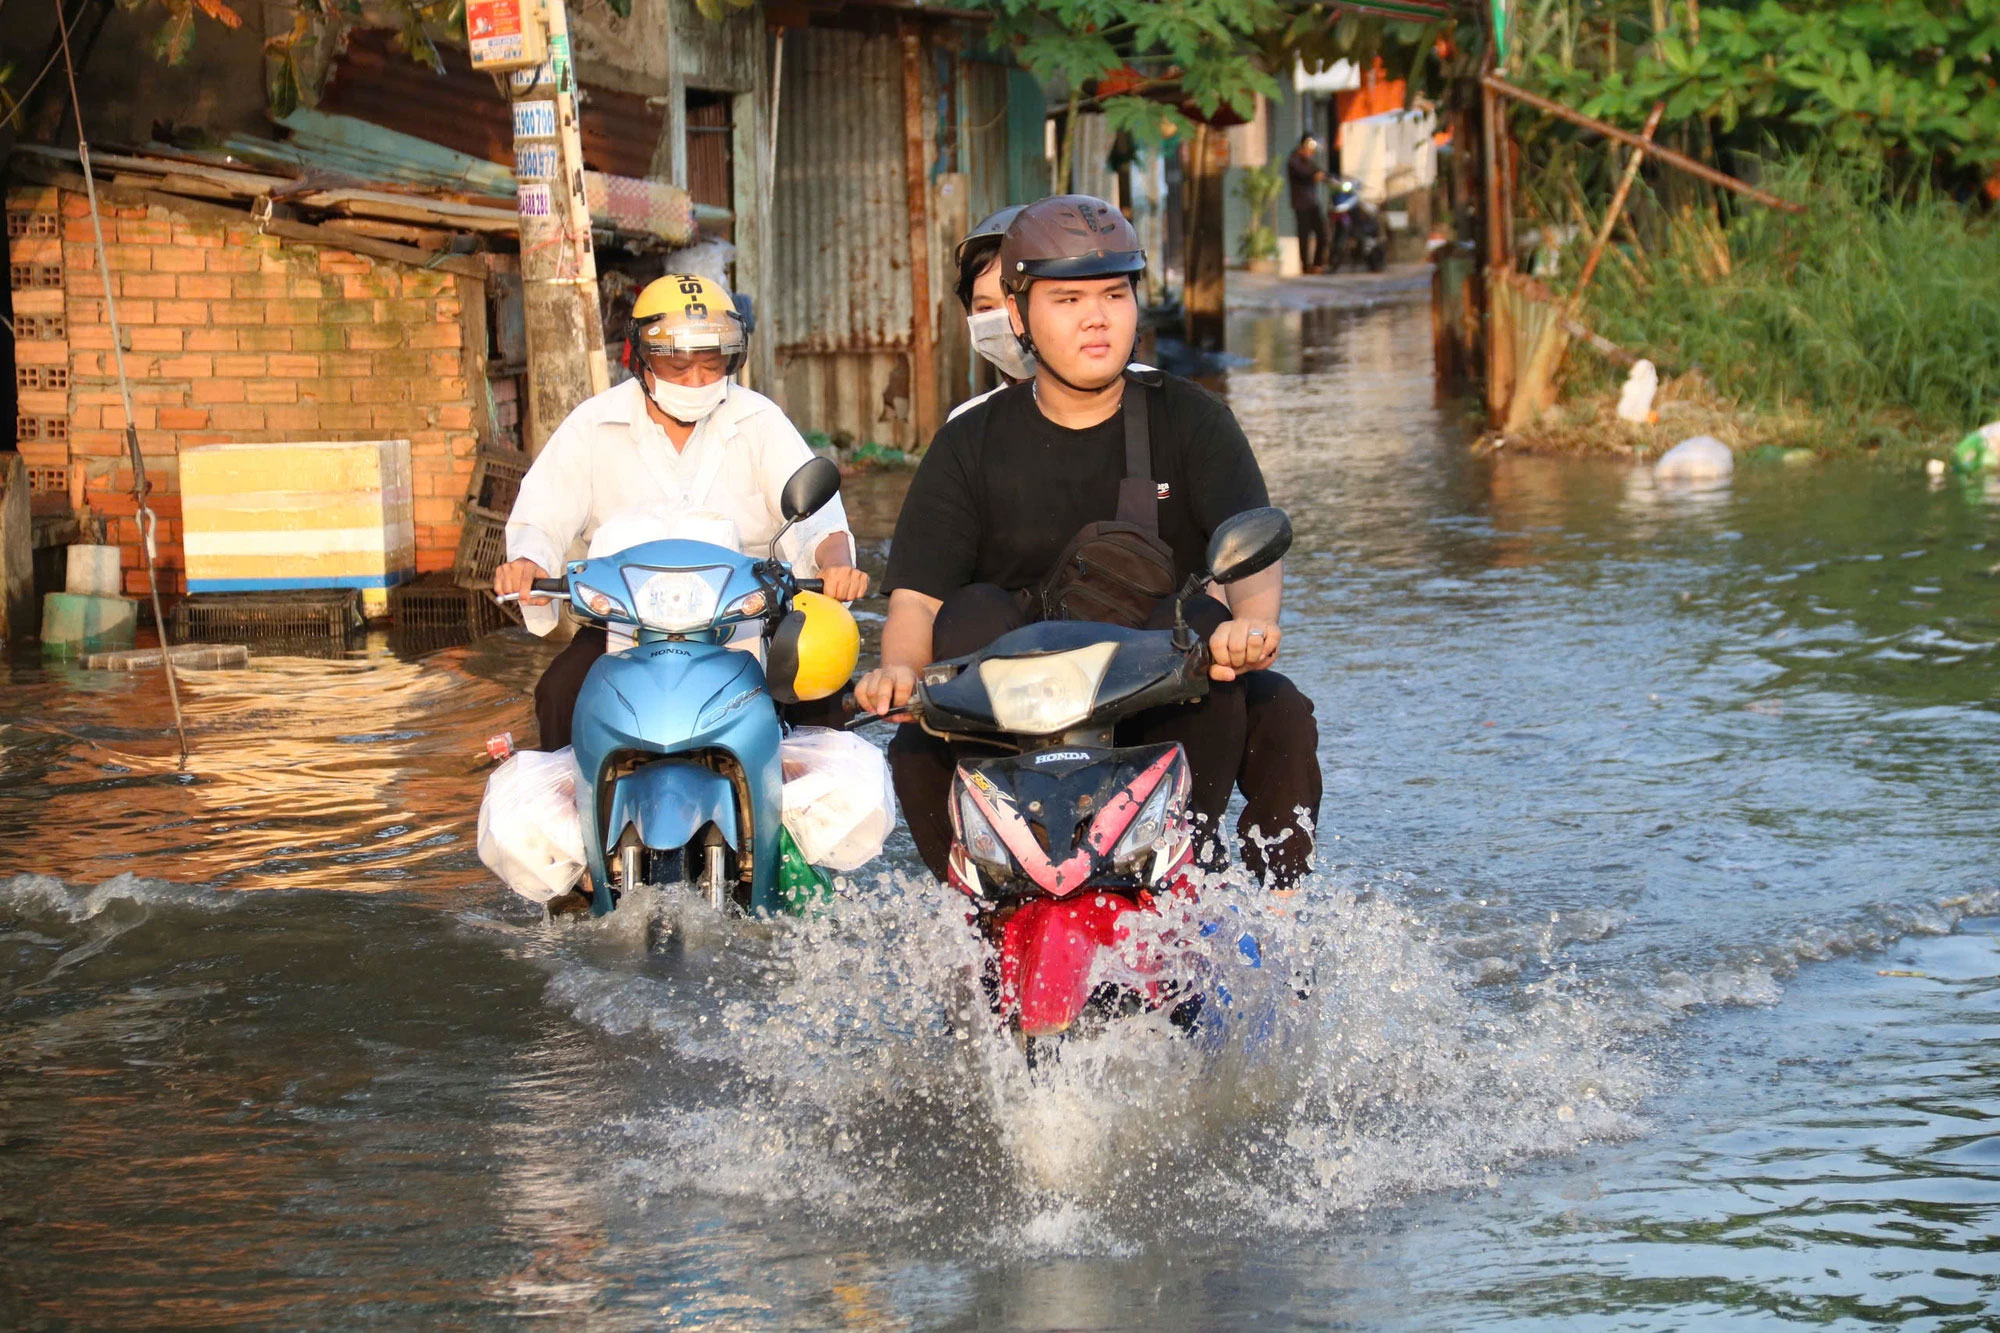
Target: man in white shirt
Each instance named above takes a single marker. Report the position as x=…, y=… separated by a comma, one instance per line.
x=679, y=439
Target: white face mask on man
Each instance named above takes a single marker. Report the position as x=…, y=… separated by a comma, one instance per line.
x=993, y=338
x=689, y=403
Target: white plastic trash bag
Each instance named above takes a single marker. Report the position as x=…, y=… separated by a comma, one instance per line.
x=838, y=802
x=529, y=833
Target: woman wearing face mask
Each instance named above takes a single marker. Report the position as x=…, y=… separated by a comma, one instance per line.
x=677, y=438
x=985, y=304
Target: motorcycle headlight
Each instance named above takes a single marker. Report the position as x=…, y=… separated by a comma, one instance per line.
x=1146, y=830
x=975, y=831
x=1039, y=696
x=675, y=601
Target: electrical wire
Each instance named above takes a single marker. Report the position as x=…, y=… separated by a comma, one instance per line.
x=141, y=486
x=21, y=102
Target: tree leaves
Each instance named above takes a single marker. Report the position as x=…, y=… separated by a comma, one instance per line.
x=221, y=13
x=175, y=37
x=1207, y=49
x=1875, y=76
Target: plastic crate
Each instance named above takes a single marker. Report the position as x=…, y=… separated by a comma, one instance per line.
x=432, y=608
x=313, y=621
x=496, y=479
x=482, y=548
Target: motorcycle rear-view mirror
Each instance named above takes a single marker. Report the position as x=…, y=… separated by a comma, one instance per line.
x=1247, y=543
x=808, y=490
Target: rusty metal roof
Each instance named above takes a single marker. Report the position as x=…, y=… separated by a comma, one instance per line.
x=462, y=110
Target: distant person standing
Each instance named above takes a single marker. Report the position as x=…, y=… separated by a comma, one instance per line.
x=1304, y=172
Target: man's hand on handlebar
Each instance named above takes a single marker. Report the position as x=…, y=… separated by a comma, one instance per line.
x=843, y=582
x=518, y=578
x=885, y=690
x=1243, y=645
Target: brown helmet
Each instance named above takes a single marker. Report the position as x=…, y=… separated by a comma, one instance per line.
x=1069, y=236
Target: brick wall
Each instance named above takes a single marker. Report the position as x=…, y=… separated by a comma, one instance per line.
x=232, y=336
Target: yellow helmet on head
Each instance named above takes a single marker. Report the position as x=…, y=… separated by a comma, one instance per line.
x=682, y=313
x=814, y=651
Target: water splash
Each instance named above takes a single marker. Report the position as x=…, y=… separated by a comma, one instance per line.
x=864, y=1081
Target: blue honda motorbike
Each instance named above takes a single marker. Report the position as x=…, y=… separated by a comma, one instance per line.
x=676, y=738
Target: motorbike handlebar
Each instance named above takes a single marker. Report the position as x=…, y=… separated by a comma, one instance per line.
x=811, y=585
x=559, y=586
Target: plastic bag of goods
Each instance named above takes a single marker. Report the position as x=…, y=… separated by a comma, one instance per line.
x=838, y=802
x=529, y=832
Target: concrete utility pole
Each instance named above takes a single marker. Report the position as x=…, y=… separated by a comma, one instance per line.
x=558, y=260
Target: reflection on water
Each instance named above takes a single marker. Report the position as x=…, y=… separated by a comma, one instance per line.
x=1648, y=980
x=303, y=773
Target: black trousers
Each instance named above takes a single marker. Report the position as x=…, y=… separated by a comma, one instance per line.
x=1257, y=730
x=1313, y=230
x=562, y=681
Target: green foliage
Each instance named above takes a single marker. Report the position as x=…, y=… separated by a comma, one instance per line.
x=1881, y=317
x=1259, y=188
x=1201, y=52
x=1878, y=78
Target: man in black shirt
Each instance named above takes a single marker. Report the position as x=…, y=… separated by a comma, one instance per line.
x=1006, y=485
x=1303, y=173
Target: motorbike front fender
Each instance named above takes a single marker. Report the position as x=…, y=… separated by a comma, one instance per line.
x=676, y=699
x=1047, y=951
x=667, y=802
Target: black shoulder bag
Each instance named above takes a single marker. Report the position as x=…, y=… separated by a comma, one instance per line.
x=1118, y=571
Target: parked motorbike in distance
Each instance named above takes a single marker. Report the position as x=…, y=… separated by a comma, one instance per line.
x=676, y=738
x=1357, y=229
x=1059, y=845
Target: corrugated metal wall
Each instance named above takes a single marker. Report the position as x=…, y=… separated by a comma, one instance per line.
x=983, y=143
x=839, y=293
x=1089, y=172
x=1027, y=155
x=841, y=216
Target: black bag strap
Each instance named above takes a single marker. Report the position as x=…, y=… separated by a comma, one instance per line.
x=1138, y=495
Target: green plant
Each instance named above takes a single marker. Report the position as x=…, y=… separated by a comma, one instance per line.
x=879, y=455
x=1259, y=188
x=1259, y=243
x=1877, y=310
x=1881, y=78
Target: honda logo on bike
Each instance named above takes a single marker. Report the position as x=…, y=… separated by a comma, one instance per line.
x=1058, y=756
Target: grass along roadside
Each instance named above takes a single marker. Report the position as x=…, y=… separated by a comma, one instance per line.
x=1870, y=324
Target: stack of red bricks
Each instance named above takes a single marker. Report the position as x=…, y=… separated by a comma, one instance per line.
x=232, y=336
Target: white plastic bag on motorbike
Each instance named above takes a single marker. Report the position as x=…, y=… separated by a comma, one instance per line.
x=529, y=833
x=839, y=804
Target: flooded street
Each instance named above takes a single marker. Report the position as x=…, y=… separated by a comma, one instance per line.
x=1654, y=968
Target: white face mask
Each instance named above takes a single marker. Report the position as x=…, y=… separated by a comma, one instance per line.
x=689, y=404
x=993, y=338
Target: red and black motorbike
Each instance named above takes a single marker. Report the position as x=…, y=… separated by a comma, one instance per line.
x=1059, y=844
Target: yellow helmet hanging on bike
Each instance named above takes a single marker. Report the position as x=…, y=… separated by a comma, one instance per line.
x=814, y=651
